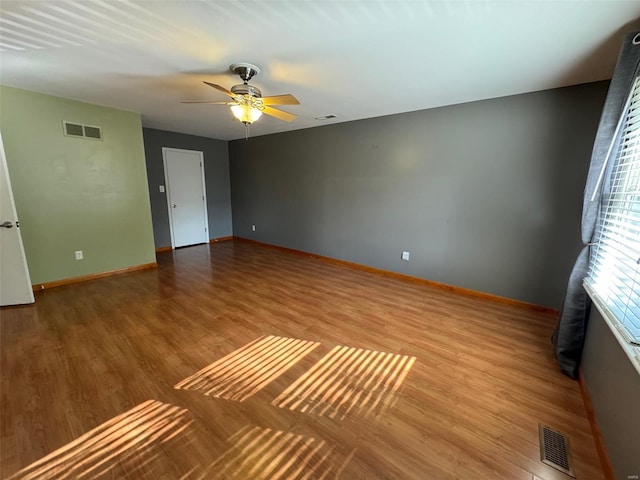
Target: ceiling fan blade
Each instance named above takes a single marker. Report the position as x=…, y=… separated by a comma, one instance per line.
x=274, y=112
x=287, y=99
x=222, y=89
x=214, y=103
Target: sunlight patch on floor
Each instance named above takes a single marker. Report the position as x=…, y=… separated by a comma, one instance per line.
x=124, y=437
x=265, y=453
x=348, y=379
x=249, y=369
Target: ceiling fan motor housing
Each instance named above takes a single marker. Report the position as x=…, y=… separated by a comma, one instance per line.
x=246, y=89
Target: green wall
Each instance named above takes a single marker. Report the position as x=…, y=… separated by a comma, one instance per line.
x=74, y=193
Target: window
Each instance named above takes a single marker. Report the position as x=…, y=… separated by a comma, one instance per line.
x=614, y=269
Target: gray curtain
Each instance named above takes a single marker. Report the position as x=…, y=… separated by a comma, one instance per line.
x=569, y=334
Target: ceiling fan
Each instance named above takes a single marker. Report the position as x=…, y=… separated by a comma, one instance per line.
x=248, y=104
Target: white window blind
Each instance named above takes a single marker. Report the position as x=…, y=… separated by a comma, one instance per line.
x=614, y=270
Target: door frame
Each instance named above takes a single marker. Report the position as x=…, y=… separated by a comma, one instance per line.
x=168, y=190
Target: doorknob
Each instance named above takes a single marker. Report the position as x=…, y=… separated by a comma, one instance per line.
x=173, y=205
x=6, y=224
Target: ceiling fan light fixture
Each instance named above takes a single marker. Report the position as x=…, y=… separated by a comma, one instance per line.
x=246, y=113
x=247, y=103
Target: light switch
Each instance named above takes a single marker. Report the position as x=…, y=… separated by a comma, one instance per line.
x=161, y=188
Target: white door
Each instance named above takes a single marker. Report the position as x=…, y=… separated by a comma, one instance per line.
x=186, y=198
x=15, y=283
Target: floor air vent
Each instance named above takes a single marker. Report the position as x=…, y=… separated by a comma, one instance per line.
x=554, y=450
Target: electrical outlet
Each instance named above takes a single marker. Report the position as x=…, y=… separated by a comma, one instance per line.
x=405, y=256
x=79, y=255
x=253, y=228
x=161, y=188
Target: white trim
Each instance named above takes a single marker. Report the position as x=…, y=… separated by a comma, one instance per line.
x=168, y=190
x=632, y=351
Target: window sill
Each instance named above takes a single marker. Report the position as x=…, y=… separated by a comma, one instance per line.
x=632, y=351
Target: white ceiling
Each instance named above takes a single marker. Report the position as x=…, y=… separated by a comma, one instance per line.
x=353, y=58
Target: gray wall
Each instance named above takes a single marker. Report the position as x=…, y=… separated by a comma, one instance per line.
x=216, y=174
x=485, y=195
x=614, y=387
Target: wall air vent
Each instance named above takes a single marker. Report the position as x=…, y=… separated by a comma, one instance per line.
x=92, y=132
x=73, y=129
x=79, y=130
x=327, y=117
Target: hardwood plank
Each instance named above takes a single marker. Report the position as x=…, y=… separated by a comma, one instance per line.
x=402, y=276
x=153, y=375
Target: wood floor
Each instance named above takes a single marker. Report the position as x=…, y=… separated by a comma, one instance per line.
x=236, y=361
